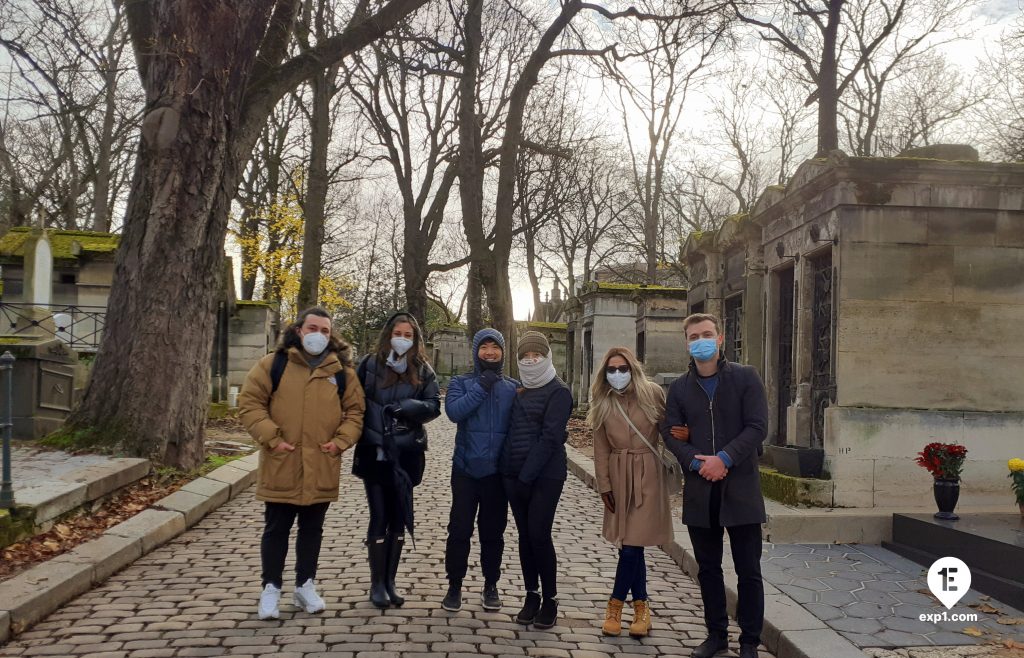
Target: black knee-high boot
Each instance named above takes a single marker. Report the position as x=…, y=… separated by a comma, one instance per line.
x=395, y=545
x=377, y=551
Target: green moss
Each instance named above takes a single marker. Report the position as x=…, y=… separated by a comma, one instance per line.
x=87, y=438
x=62, y=243
x=790, y=490
x=547, y=325
x=218, y=410
x=248, y=302
x=15, y=527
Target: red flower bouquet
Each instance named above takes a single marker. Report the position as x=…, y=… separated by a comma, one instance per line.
x=944, y=461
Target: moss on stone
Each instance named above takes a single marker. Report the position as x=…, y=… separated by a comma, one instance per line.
x=547, y=325
x=15, y=527
x=789, y=490
x=249, y=302
x=62, y=243
x=218, y=410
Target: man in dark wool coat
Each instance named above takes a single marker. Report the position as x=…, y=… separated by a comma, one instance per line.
x=716, y=419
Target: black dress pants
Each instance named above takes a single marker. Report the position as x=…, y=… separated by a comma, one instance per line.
x=476, y=502
x=279, y=518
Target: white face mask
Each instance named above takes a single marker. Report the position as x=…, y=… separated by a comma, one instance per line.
x=314, y=343
x=619, y=380
x=400, y=345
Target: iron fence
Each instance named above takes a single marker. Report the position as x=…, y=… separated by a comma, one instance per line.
x=81, y=327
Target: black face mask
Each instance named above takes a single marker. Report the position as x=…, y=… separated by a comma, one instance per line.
x=490, y=365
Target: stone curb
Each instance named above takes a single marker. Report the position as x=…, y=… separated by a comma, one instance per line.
x=33, y=594
x=790, y=631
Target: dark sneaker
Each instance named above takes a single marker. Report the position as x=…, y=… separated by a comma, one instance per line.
x=530, y=608
x=748, y=651
x=547, y=615
x=490, y=599
x=453, y=599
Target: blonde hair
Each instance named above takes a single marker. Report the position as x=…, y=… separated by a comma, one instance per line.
x=649, y=396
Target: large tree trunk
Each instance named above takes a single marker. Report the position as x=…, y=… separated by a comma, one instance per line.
x=212, y=76
x=316, y=192
x=161, y=313
x=471, y=163
x=414, y=267
x=828, y=84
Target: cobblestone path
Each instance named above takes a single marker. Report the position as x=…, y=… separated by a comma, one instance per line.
x=196, y=596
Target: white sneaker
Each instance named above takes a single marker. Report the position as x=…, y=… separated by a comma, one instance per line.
x=307, y=598
x=268, y=602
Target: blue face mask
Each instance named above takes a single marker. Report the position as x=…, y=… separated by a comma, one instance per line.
x=704, y=349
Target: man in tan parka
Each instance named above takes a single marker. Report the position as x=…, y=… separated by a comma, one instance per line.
x=303, y=424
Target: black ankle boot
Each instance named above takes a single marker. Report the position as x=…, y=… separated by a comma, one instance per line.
x=712, y=646
x=547, y=614
x=377, y=552
x=530, y=608
x=395, y=545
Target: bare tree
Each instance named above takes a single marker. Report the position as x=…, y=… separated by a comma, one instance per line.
x=213, y=72
x=64, y=142
x=1001, y=117
x=910, y=48
x=816, y=33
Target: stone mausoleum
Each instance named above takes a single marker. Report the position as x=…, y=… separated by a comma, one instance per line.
x=883, y=302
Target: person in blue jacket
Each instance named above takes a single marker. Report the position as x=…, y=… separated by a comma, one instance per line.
x=480, y=403
x=533, y=462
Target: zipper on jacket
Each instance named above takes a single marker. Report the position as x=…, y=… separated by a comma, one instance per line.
x=711, y=409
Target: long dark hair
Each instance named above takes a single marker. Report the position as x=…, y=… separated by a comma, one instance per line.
x=290, y=336
x=416, y=356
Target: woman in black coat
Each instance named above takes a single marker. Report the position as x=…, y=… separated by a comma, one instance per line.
x=533, y=464
x=401, y=396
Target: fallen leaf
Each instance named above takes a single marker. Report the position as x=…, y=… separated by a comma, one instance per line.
x=1010, y=621
x=972, y=631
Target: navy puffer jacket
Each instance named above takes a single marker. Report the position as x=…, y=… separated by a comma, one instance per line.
x=535, y=446
x=482, y=416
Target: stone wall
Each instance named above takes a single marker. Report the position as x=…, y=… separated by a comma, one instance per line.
x=927, y=260
x=252, y=335
x=609, y=318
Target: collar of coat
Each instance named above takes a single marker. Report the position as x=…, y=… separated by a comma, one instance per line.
x=724, y=365
x=330, y=365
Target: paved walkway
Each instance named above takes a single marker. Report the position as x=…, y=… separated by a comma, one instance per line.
x=197, y=595
x=875, y=597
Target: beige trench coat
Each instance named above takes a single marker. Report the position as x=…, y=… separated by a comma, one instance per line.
x=628, y=468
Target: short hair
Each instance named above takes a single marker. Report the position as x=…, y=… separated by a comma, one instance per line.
x=702, y=317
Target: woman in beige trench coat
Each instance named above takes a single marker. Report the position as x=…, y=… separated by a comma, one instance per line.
x=630, y=478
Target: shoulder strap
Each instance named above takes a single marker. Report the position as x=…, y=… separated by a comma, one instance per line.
x=339, y=377
x=657, y=453
x=277, y=370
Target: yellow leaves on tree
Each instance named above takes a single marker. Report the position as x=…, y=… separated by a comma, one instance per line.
x=274, y=255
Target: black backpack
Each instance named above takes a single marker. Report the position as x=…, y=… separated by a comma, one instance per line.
x=281, y=362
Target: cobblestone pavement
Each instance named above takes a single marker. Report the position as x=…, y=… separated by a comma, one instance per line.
x=874, y=597
x=196, y=596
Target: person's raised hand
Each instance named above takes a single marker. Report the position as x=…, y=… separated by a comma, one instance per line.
x=488, y=378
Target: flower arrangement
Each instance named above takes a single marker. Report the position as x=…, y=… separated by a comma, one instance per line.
x=944, y=461
x=1017, y=479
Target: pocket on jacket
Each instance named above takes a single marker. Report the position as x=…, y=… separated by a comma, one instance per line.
x=279, y=471
x=327, y=472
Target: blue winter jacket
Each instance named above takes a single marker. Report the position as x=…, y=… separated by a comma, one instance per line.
x=482, y=416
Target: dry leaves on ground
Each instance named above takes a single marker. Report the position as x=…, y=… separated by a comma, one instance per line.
x=580, y=435
x=87, y=524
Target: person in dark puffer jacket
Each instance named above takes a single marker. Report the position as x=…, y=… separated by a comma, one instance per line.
x=481, y=404
x=533, y=464
x=401, y=397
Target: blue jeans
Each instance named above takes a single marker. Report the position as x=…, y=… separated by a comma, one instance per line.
x=631, y=574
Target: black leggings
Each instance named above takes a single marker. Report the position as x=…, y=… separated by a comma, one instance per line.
x=385, y=510
x=533, y=507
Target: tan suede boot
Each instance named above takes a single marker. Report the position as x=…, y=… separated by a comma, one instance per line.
x=613, y=617
x=641, y=625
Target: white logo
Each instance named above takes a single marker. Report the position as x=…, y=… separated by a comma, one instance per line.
x=949, y=579
x=332, y=380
